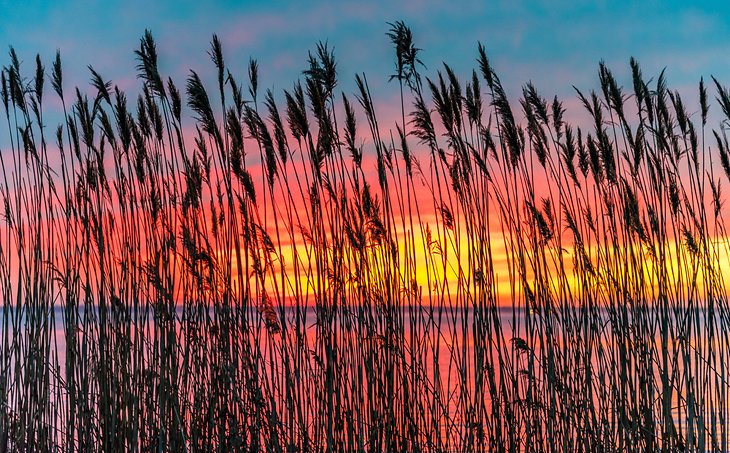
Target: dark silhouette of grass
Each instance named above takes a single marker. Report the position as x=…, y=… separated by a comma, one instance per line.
x=298, y=276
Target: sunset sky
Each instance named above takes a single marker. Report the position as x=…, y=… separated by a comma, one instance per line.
x=556, y=44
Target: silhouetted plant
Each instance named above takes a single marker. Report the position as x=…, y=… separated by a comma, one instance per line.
x=480, y=279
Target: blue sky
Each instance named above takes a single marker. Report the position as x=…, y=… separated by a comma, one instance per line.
x=555, y=44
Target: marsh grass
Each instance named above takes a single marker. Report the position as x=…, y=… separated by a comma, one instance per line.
x=213, y=269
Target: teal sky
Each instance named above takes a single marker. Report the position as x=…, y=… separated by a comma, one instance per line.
x=555, y=44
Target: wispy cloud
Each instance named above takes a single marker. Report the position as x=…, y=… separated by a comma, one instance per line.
x=556, y=43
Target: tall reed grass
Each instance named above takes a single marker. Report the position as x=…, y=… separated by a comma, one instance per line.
x=229, y=269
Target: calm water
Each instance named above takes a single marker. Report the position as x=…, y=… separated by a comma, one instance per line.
x=453, y=347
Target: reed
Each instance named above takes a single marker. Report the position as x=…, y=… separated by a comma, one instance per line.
x=220, y=269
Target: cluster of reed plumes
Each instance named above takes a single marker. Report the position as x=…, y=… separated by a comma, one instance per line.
x=298, y=276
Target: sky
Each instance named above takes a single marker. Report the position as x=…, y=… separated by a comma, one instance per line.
x=555, y=44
